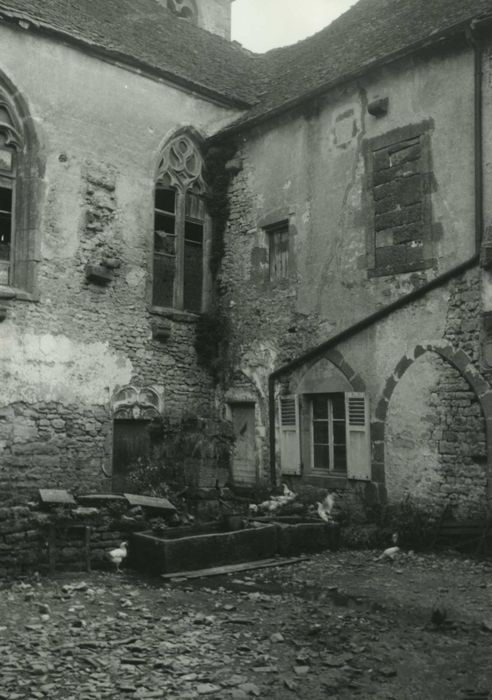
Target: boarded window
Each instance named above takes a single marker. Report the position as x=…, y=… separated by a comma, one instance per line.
x=278, y=243
x=401, y=237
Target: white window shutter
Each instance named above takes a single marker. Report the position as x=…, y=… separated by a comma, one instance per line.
x=358, y=436
x=290, y=447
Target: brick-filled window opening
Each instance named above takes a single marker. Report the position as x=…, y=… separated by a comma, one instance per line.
x=278, y=251
x=401, y=236
x=328, y=433
x=180, y=230
x=7, y=186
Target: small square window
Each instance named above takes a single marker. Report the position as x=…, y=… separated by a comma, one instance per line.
x=278, y=246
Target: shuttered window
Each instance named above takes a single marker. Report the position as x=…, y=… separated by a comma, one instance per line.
x=290, y=448
x=340, y=435
x=358, y=437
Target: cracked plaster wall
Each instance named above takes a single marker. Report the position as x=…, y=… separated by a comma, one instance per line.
x=101, y=129
x=309, y=168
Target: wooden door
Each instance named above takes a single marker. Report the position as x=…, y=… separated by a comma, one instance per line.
x=131, y=442
x=244, y=457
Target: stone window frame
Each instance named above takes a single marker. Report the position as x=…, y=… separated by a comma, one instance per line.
x=276, y=219
x=421, y=131
x=273, y=232
x=182, y=171
x=20, y=135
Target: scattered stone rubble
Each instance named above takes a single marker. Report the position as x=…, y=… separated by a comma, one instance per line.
x=338, y=625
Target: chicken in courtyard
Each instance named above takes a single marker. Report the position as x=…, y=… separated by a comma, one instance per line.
x=117, y=556
x=392, y=552
x=325, y=508
x=275, y=502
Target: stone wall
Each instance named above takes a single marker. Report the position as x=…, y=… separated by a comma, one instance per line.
x=435, y=441
x=51, y=445
x=90, y=328
x=25, y=533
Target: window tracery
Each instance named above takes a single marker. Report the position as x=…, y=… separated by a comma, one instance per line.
x=180, y=228
x=136, y=403
x=186, y=9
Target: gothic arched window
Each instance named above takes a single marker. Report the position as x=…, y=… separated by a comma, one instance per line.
x=20, y=189
x=10, y=146
x=181, y=229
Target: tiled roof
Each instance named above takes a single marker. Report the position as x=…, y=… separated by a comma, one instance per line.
x=370, y=31
x=143, y=32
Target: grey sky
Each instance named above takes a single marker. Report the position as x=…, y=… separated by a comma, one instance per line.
x=263, y=24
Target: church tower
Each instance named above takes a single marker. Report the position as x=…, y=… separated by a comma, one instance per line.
x=212, y=15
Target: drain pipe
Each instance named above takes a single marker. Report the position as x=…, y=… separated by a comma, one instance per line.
x=474, y=41
x=437, y=282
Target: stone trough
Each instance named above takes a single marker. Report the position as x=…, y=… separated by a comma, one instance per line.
x=190, y=549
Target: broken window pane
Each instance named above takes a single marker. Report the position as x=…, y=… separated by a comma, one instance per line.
x=163, y=282
x=5, y=233
x=6, y=160
x=165, y=199
x=193, y=267
x=195, y=207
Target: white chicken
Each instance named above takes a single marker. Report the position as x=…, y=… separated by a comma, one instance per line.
x=325, y=508
x=392, y=552
x=275, y=502
x=117, y=556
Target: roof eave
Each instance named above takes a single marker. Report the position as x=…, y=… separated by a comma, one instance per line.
x=123, y=60
x=245, y=124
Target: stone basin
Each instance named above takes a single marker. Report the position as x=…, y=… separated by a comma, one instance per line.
x=165, y=554
x=190, y=549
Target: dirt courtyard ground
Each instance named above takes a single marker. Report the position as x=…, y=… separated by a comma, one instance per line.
x=335, y=626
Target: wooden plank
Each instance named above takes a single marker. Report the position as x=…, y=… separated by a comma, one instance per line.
x=234, y=568
x=56, y=497
x=149, y=502
x=99, y=499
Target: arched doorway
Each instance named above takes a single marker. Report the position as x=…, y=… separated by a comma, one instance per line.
x=136, y=413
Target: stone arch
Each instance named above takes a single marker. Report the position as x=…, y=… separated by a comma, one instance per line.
x=336, y=358
x=465, y=368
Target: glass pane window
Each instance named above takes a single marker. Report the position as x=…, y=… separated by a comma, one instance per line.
x=178, y=249
x=6, y=216
x=328, y=433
